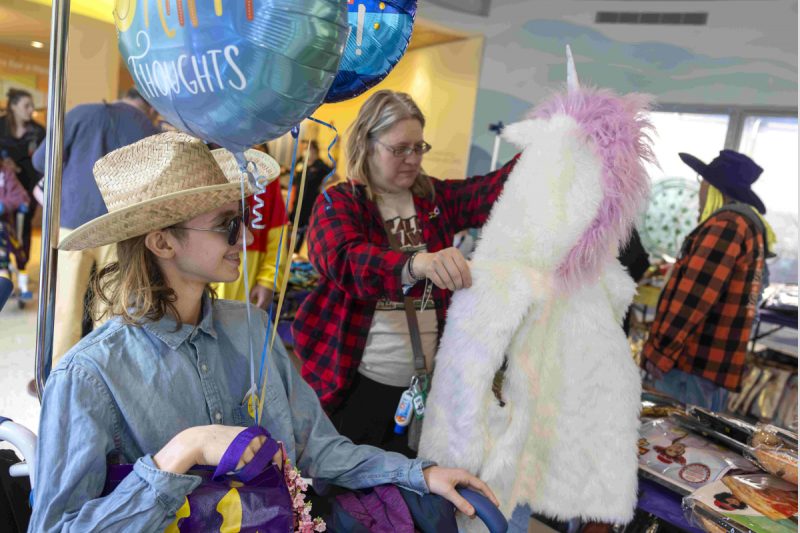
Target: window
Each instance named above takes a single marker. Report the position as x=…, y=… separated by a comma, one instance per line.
x=673, y=207
x=772, y=143
x=702, y=135
x=769, y=138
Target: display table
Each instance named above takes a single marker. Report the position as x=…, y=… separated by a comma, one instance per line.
x=692, y=461
x=663, y=503
x=777, y=311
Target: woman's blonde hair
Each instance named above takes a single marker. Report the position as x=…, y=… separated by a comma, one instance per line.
x=133, y=287
x=380, y=113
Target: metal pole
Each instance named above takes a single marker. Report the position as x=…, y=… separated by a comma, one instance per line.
x=497, y=129
x=54, y=147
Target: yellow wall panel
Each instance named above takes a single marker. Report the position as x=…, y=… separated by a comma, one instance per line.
x=443, y=80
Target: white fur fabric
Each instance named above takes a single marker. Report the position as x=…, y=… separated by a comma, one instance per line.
x=565, y=442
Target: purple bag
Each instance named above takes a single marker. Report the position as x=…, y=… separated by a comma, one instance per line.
x=254, y=499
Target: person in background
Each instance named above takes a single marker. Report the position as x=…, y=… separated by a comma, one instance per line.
x=315, y=176
x=13, y=197
x=90, y=132
x=20, y=135
x=267, y=222
x=352, y=332
x=161, y=384
x=636, y=261
x=698, y=341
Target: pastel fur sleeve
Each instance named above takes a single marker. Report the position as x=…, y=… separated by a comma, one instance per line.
x=509, y=285
x=472, y=350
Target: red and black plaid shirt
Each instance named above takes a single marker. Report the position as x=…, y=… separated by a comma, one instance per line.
x=348, y=246
x=706, y=310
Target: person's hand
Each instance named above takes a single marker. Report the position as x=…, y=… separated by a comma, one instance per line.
x=205, y=445
x=443, y=481
x=652, y=369
x=447, y=268
x=261, y=296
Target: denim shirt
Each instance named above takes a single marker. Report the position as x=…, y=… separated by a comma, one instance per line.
x=126, y=390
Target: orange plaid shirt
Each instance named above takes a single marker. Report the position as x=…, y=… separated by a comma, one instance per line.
x=707, y=307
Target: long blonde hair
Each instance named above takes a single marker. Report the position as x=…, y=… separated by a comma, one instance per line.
x=380, y=113
x=133, y=287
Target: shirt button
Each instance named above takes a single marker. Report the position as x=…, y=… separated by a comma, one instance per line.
x=218, y=416
x=204, y=367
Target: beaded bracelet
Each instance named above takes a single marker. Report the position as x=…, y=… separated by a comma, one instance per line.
x=411, y=267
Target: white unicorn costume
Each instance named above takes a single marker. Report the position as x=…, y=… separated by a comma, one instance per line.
x=548, y=297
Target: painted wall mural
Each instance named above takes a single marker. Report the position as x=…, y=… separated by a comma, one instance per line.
x=721, y=63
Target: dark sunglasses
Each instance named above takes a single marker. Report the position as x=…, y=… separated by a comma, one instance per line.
x=233, y=228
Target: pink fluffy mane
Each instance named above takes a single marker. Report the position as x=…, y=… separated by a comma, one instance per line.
x=615, y=128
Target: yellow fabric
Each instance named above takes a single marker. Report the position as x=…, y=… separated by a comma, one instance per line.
x=260, y=266
x=183, y=512
x=230, y=508
x=715, y=200
x=72, y=282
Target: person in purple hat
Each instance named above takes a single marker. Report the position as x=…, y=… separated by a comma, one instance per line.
x=698, y=340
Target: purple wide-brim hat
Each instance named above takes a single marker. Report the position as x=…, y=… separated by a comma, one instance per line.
x=732, y=173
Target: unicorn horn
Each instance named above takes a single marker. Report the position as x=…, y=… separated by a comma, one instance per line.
x=572, y=75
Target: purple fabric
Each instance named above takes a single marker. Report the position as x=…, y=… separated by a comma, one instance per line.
x=778, y=318
x=663, y=503
x=12, y=193
x=266, y=505
x=265, y=502
x=257, y=464
x=381, y=510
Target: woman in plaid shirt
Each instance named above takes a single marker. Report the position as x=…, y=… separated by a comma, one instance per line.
x=351, y=332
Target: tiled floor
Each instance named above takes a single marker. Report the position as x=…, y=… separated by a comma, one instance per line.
x=17, y=355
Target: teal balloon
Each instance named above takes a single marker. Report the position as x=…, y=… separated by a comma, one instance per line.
x=233, y=72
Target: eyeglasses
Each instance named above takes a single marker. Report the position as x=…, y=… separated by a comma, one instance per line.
x=405, y=151
x=232, y=227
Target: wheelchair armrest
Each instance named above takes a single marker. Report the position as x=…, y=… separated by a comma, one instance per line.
x=25, y=441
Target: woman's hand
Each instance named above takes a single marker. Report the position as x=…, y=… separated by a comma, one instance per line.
x=447, y=269
x=443, y=481
x=205, y=445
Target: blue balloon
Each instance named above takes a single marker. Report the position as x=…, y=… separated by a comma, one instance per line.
x=235, y=73
x=379, y=36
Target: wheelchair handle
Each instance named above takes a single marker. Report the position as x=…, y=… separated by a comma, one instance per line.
x=25, y=441
x=486, y=510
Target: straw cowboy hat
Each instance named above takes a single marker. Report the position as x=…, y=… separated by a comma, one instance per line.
x=160, y=181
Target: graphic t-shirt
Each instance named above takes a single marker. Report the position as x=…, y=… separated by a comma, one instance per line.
x=388, y=357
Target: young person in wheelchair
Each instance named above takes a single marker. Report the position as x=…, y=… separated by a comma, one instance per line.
x=164, y=383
